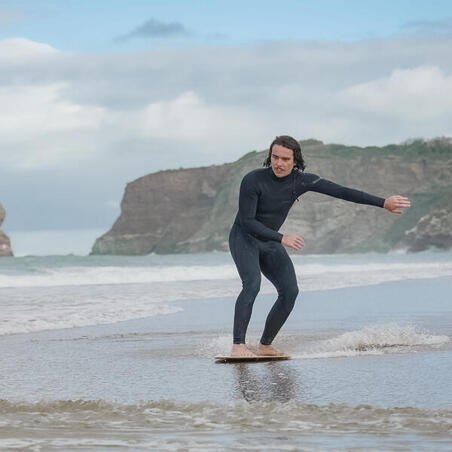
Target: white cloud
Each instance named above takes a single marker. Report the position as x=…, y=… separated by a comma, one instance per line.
x=189, y=118
x=422, y=93
x=38, y=128
x=208, y=105
x=80, y=126
x=21, y=48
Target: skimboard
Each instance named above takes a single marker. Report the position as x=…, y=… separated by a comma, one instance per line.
x=244, y=359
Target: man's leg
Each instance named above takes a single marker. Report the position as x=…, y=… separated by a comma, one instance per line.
x=245, y=253
x=277, y=267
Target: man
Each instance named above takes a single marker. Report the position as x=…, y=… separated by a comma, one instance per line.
x=266, y=196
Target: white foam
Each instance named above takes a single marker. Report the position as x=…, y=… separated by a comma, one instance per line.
x=326, y=277
x=184, y=425
x=161, y=285
x=58, y=312
x=372, y=340
x=310, y=276
x=75, y=276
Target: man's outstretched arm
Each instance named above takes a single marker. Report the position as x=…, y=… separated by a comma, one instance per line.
x=312, y=182
x=329, y=188
x=393, y=204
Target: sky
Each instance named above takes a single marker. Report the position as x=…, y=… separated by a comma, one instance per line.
x=94, y=94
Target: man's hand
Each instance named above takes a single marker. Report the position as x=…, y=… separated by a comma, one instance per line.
x=292, y=241
x=395, y=203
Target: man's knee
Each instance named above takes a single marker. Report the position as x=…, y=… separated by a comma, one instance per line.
x=292, y=292
x=289, y=296
x=252, y=286
x=289, y=291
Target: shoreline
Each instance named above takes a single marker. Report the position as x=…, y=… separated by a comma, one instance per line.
x=360, y=325
x=178, y=306
x=152, y=383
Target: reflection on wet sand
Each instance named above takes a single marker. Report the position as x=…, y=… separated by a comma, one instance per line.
x=271, y=382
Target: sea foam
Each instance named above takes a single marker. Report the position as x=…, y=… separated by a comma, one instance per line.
x=372, y=340
x=52, y=293
x=311, y=276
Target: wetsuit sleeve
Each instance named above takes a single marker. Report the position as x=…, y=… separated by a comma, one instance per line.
x=248, y=199
x=317, y=184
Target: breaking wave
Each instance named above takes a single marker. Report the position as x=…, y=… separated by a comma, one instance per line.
x=255, y=416
x=312, y=276
x=374, y=339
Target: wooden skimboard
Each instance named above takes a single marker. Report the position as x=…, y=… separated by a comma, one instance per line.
x=244, y=359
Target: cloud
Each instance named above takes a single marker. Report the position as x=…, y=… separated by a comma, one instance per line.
x=80, y=126
x=420, y=94
x=156, y=29
x=20, y=48
x=189, y=118
x=443, y=25
x=39, y=128
x=212, y=104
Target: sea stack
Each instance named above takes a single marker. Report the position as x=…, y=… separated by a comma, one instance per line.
x=5, y=244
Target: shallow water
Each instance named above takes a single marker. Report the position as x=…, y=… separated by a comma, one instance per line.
x=210, y=425
x=52, y=292
x=370, y=370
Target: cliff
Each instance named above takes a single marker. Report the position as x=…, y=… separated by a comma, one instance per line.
x=5, y=244
x=191, y=210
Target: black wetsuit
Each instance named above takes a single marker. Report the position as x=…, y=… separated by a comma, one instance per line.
x=255, y=243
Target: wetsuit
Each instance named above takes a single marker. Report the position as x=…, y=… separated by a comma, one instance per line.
x=255, y=243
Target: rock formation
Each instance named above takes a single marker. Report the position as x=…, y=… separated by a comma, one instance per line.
x=191, y=210
x=432, y=230
x=5, y=244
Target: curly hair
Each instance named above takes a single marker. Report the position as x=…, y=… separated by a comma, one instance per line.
x=289, y=143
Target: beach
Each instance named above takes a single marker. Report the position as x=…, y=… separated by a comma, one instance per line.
x=152, y=151
x=110, y=353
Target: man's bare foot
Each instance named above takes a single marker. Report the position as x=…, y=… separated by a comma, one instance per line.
x=242, y=350
x=269, y=350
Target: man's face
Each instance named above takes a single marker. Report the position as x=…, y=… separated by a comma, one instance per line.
x=282, y=160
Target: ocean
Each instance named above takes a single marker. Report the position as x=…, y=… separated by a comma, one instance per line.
x=117, y=353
